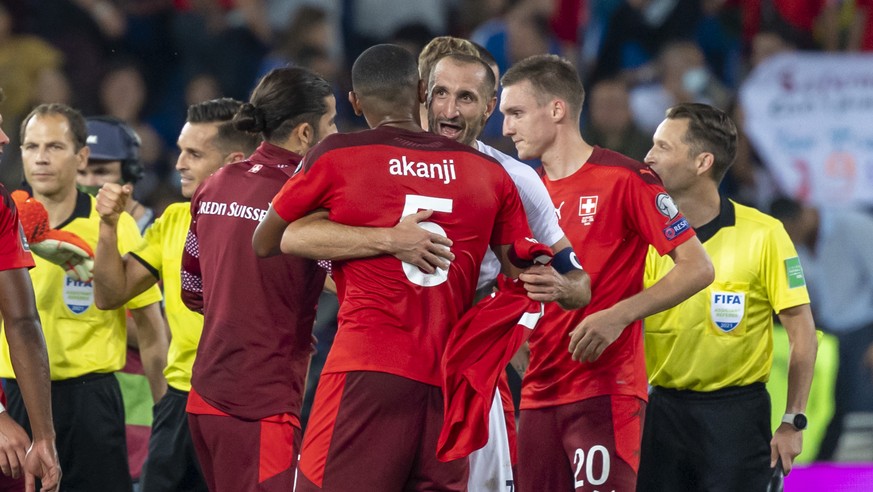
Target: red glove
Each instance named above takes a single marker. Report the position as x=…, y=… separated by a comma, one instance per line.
x=62, y=248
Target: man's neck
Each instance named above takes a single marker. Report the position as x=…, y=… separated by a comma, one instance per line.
x=699, y=205
x=566, y=156
x=59, y=205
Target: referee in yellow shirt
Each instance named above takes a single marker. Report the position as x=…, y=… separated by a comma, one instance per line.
x=707, y=425
x=86, y=345
x=207, y=141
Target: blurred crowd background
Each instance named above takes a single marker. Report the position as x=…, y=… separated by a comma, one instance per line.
x=145, y=61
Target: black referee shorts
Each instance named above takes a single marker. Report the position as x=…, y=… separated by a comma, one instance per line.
x=89, y=422
x=714, y=441
x=172, y=464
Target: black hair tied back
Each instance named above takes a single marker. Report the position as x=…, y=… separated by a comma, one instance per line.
x=250, y=119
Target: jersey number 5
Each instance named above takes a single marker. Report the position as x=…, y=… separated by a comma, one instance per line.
x=413, y=204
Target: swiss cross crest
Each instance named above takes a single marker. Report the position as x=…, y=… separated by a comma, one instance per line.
x=587, y=209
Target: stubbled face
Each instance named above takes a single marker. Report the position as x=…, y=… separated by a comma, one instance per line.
x=49, y=155
x=526, y=121
x=199, y=157
x=670, y=157
x=96, y=174
x=327, y=122
x=457, y=107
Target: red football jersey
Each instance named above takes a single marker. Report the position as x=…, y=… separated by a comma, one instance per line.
x=611, y=210
x=258, y=313
x=393, y=318
x=478, y=350
x=14, y=251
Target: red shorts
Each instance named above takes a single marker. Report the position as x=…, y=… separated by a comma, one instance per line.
x=239, y=455
x=9, y=484
x=589, y=445
x=375, y=431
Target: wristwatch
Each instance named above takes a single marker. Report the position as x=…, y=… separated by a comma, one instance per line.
x=797, y=420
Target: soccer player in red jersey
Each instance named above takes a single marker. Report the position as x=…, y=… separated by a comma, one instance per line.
x=378, y=409
x=29, y=357
x=582, y=409
x=248, y=377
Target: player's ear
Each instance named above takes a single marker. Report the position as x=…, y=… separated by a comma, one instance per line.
x=490, y=107
x=306, y=134
x=82, y=158
x=422, y=91
x=704, y=162
x=356, y=104
x=558, y=109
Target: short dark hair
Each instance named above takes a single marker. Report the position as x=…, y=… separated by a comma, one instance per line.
x=385, y=71
x=222, y=111
x=78, y=127
x=550, y=76
x=283, y=99
x=709, y=130
x=487, y=90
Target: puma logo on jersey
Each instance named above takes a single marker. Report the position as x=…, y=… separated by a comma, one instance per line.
x=444, y=171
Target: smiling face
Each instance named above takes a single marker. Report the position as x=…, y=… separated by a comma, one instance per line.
x=526, y=121
x=49, y=155
x=459, y=100
x=199, y=156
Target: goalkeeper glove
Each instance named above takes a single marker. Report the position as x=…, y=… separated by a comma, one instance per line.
x=527, y=252
x=62, y=248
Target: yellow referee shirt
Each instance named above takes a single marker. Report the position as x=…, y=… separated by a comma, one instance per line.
x=161, y=253
x=722, y=336
x=80, y=338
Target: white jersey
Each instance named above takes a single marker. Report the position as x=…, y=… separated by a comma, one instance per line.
x=537, y=206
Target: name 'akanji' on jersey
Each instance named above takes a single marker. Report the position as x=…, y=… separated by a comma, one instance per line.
x=444, y=171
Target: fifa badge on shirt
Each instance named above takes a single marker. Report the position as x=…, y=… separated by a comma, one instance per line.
x=587, y=209
x=727, y=309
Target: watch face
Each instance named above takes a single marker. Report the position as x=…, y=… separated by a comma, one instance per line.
x=800, y=421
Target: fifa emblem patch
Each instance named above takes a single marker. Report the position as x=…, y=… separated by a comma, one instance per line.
x=587, y=208
x=727, y=309
x=78, y=296
x=794, y=271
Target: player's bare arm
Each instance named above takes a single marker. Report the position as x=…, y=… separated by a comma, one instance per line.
x=116, y=279
x=571, y=290
x=30, y=362
x=153, y=346
x=692, y=272
x=316, y=237
x=787, y=441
